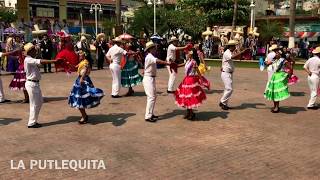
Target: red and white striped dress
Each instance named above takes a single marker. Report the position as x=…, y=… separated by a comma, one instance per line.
x=190, y=93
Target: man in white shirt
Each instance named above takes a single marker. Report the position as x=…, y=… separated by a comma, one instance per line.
x=171, y=57
x=227, y=70
x=32, y=84
x=312, y=67
x=2, y=99
x=270, y=59
x=149, y=80
x=114, y=56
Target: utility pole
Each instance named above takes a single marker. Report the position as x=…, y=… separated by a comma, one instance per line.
x=292, y=22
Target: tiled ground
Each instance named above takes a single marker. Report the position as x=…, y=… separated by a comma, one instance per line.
x=247, y=142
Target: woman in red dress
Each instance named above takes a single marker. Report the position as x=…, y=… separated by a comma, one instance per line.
x=190, y=93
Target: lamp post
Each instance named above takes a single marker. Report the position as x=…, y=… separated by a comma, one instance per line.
x=96, y=7
x=252, y=22
x=154, y=13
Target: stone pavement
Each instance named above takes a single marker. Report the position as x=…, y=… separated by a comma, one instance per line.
x=247, y=142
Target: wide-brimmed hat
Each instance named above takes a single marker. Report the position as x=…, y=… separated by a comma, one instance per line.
x=273, y=47
x=239, y=30
x=28, y=47
x=101, y=35
x=232, y=43
x=316, y=50
x=149, y=45
x=83, y=38
x=117, y=39
x=173, y=38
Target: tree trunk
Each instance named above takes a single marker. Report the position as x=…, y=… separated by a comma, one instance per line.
x=292, y=22
x=234, y=20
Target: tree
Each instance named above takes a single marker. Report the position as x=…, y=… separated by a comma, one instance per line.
x=7, y=15
x=292, y=22
x=234, y=19
x=108, y=25
x=269, y=29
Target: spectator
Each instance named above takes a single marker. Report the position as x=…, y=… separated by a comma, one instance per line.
x=56, y=26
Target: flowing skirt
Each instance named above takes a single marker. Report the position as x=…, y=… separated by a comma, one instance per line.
x=19, y=79
x=293, y=79
x=190, y=93
x=277, y=87
x=85, y=95
x=130, y=75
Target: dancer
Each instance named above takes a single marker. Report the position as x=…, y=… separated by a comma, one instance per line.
x=149, y=80
x=203, y=68
x=171, y=57
x=277, y=87
x=270, y=59
x=114, y=56
x=227, y=70
x=312, y=67
x=12, y=63
x=2, y=98
x=130, y=76
x=190, y=94
x=32, y=84
x=293, y=79
x=19, y=79
x=83, y=94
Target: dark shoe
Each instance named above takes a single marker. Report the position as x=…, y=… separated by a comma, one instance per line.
x=313, y=108
x=5, y=101
x=187, y=115
x=116, y=96
x=154, y=117
x=192, y=117
x=220, y=104
x=224, y=107
x=36, y=125
x=84, y=121
x=275, y=111
x=151, y=120
x=170, y=92
x=130, y=93
x=25, y=101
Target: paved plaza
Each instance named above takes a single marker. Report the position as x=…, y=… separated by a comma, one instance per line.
x=247, y=142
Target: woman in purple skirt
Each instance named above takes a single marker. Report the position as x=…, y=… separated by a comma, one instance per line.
x=12, y=63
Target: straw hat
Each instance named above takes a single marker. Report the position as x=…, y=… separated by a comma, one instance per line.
x=173, y=38
x=149, y=45
x=38, y=31
x=316, y=51
x=232, y=43
x=208, y=32
x=239, y=30
x=28, y=47
x=101, y=35
x=273, y=47
x=117, y=39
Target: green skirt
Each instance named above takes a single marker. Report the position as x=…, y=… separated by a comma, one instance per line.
x=130, y=75
x=277, y=87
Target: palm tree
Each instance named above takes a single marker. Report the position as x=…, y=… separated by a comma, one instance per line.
x=292, y=22
x=234, y=20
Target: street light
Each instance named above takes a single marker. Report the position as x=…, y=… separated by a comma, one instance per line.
x=252, y=23
x=96, y=7
x=159, y=2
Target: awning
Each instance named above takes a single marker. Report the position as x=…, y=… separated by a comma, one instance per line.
x=302, y=35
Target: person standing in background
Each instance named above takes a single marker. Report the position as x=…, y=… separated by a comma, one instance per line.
x=46, y=51
x=102, y=49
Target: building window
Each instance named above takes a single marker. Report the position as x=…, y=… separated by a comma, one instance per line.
x=45, y=12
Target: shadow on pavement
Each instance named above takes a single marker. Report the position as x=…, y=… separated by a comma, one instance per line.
x=7, y=121
x=200, y=116
x=209, y=115
x=248, y=105
x=214, y=91
x=298, y=94
x=291, y=110
x=115, y=119
x=49, y=99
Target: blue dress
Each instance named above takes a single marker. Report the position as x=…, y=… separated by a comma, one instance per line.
x=85, y=96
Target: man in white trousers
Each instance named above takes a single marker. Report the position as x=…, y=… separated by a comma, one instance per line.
x=32, y=84
x=171, y=57
x=2, y=98
x=312, y=67
x=227, y=70
x=114, y=56
x=270, y=59
x=149, y=80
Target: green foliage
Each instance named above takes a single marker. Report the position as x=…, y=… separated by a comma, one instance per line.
x=108, y=25
x=7, y=15
x=219, y=11
x=269, y=29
